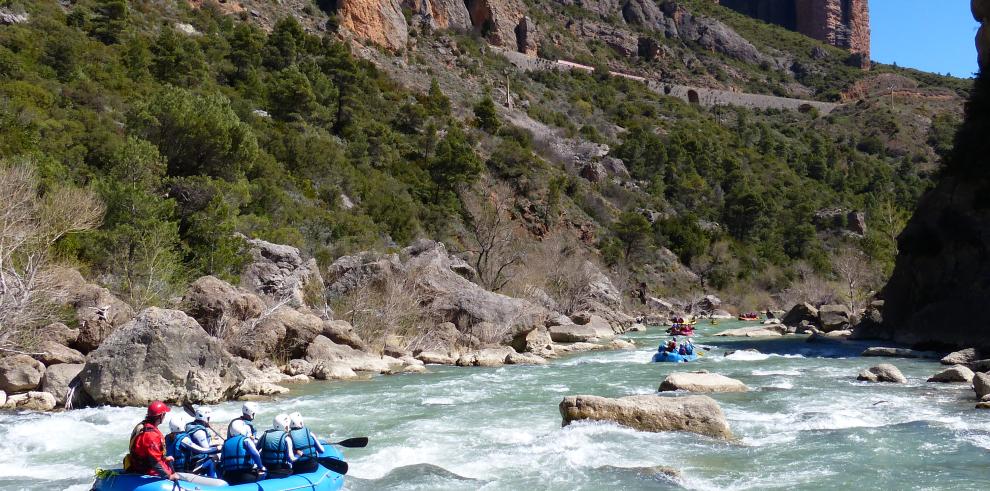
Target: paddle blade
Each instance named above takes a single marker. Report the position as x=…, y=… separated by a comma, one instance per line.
x=356, y=442
x=188, y=408
x=338, y=466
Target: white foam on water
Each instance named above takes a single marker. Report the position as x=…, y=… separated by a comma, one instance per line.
x=746, y=356
x=766, y=373
x=438, y=401
x=557, y=388
x=781, y=384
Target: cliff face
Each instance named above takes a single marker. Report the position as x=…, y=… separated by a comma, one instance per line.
x=378, y=21
x=941, y=282
x=842, y=23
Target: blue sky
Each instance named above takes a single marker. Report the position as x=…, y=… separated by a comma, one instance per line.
x=930, y=35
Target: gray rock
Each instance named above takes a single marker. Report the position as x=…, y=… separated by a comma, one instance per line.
x=575, y=333
x=298, y=367
x=536, y=341
x=31, y=401
x=696, y=414
x=324, y=351
x=279, y=272
x=214, y=302
x=958, y=373
x=981, y=385
x=3, y=399
x=701, y=382
x=341, y=332
x=434, y=358
x=331, y=371
x=961, y=357
x=19, y=373
x=488, y=357
x=705, y=306
x=160, y=355
x=883, y=372
x=799, y=313
x=834, y=318
x=524, y=359
x=440, y=14
x=97, y=311
x=52, y=353
x=899, y=353
x=60, y=333
x=58, y=378
x=754, y=332
x=594, y=172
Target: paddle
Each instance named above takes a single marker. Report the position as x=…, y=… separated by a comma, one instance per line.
x=336, y=465
x=356, y=442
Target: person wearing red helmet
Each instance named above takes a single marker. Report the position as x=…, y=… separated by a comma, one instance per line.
x=146, y=452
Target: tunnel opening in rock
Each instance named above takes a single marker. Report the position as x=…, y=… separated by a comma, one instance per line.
x=522, y=35
x=693, y=97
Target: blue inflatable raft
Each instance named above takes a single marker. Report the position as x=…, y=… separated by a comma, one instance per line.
x=322, y=479
x=668, y=357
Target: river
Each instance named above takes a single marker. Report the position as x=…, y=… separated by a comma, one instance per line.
x=806, y=424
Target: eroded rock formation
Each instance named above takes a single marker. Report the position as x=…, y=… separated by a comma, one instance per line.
x=378, y=21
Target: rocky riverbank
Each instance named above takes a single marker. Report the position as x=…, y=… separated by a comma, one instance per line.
x=220, y=341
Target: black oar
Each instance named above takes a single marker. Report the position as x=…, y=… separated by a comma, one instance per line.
x=336, y=465
x=356, y=442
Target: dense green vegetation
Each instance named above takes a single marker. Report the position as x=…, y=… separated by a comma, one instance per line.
x=189, y=138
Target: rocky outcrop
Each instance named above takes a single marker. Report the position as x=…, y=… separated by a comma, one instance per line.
x=160, y=355
x=380, y=22
x=801, y=312
x=215, y=303
x=834, y=318
x=52, y=353
x=440, y=14
x=695, y=414
x=962, y=357
x=324, y=352
x=957, y=373
x=883, y=372
x=279, y=273
x=537, y=341
x=981, y=12
x=701, y=382
x=31, y=401
x=19, y=373
x=97, y=311
x=497, y=20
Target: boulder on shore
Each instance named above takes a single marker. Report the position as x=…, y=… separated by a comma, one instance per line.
x=31, y=401
x=981, y=385
x=98, y=312
x=962, y=357
x=160, y=355
x=574, y=333
x=214, y=302
x=899, y=353
x=701, y=382
x=958, y=373
x=883, y=372
x=58, y=378
x=834, y=318
x=695, y=414
x=280, y=273
x=323, y=351
x=801, y=312
x=20, y=372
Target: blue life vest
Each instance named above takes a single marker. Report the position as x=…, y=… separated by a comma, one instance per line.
x=234, y=456
x=274, y=452
x=182, y=455
x=302, y=440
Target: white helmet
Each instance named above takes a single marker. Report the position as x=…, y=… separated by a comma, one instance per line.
x=203, y=414
x=295, y=421
x=176, y=423
x=281, y=422
x=249, y=409
x=238, y=427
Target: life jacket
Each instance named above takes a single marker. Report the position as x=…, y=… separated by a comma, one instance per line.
x=183, y=455
x=234, y=456
x=137, y=431
x=274, y=452
x=303, y=441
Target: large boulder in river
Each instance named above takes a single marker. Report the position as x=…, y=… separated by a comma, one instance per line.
x=981, y=385
x=160, y=355
x=701, y=382
x=280, y=273
x=706, y=305
x=216, y=304
x=958, y=373
x=695, y=414
x=58, y=378
x=834, y=318
x=573, y=333
x=537, y=341
x=883, y=351
x=488, y=357
x=20, y=372
x=801, y=312
x=31, y=401
x=883, y=372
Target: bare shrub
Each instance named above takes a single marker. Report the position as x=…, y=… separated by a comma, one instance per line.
x=30, y=224
x=386, y=306
x=857, y=276
x=810, y=288
x=496, y=249
x=557, y=267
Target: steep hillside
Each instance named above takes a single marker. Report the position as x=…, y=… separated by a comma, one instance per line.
x=353, y=125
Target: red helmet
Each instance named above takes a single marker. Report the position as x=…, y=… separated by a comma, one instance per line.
x=157, y=408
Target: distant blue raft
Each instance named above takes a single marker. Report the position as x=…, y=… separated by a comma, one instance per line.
x=668, y=357
x=322, y=479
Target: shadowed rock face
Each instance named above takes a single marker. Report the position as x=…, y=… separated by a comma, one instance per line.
x=941, y=281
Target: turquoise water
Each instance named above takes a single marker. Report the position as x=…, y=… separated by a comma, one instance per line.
x=807, y=424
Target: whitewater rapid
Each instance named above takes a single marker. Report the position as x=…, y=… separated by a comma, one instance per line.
x=806, y=424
